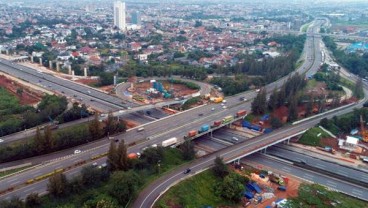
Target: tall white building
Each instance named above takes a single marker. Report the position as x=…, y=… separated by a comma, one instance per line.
x=119, y=15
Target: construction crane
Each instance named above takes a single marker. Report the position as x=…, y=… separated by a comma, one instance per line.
x=362, y=129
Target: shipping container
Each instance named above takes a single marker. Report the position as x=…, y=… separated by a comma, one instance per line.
x=204, y=128
x=169, y=142
x=216, y=123
x=227, y=119
x=241, y=113
x=192, y=133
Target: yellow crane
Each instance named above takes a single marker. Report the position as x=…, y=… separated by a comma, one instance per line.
x=362, y=129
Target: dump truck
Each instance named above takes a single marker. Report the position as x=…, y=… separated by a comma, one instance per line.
x=204, y=128
x=192, y=133
x=276, y=179
x=241, y=113
x=169, y=142
x=134, y=155
x=217, y=99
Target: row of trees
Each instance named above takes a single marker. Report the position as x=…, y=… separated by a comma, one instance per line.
x=47, y=141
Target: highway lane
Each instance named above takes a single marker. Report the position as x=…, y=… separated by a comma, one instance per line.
x=318, y=163
x=167, y=128
x=231, y=153
x=289, y=169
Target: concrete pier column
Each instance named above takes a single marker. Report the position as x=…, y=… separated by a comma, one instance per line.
x=32, y=60
x=50, y=64
x=7, y=52
x=57, y=66
x=70, y=69
x=41, y=61
x=73, y=75
x=85, y=72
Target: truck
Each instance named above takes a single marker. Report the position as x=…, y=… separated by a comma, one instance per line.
x=216, y=124
x=204, y=128
x=282, y=188
x=327, y=149
x=192, y=133
x=241, y=113
x=169, y=142
x=227, y=119
x=276, y=179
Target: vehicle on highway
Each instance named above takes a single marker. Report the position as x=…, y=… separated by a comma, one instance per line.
x=94, y=164
x=201, y=114
x=74, y=95
x=89, y=92
x=224, y=101
x=62, y=92
x=77, y=151
x=1, y=140
x=212, y=109
x=257, y=90
x=224, y=107
x=186, y=171
x=140, y=129
x=235, y=139
x=149, y=138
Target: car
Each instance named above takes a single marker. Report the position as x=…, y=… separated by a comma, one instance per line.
x=212, y=109
x=94, y=164
x=257, y=90
x=1, y=140
x=129, y=108
x=222, y=104
x=92, y=100
x=77, y=151
x=201, y=114
x=74, y=95
x=149, y=138
x=186, y=171
x=62, y=92
x=89, y=92
x=224, y=107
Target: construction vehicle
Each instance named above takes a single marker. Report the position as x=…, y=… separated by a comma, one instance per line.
x=327, y=149
x=362, y=129
x=276, y=179
x=217, y=99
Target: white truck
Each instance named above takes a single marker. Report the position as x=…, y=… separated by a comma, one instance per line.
x=169, y=142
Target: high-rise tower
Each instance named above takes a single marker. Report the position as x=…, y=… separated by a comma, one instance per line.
x=119, y=15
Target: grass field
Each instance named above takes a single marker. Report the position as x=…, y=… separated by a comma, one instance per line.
x=311, y=137
x=7, y=100
x=197, y=191
x=5, y=173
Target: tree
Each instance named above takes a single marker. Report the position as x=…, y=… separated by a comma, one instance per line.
x=187, y=149
x=124, y=186
x=48, y=139
x=259, y=104
x=152, y=155
x=275, y=122
x=220, y=169
x=293, y=109
x=358, y=89
x=14, y=202
x=309, y=107
x=94, y=127
x=231, y=188
x=110, y=124
x=113, y=157
x=272, y=102
x=197, y=23
x=57, y=185
x=90, y=176
x=39, y=141
x=33, y=200
x=123, y=156
x=281, y=97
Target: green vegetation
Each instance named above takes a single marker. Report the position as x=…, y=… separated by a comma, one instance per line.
x=190, y=102
x=305, y=27
x=8, y=172
x=355, y=63
x=314, y=195
x=16, y=117
x=190, y=85
x=102, y=187
x=231, y=86
x=311, y=137
x=48, y=141
x=196, y=191
x=345, y=123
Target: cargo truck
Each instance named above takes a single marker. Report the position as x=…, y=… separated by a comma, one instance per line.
x=170, y=142
x=217, y=99
x=204, y=128
x=227, y=119
x=241, y=113
x=134, y=155
x=216, y=123
x=192, y=133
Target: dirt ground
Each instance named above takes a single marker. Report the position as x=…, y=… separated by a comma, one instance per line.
x=28, y=96
x=87, y=81
x=270, y=187
x=178, y=90
x=332, y=142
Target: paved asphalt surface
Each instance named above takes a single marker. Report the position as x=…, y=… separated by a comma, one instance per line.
x=177, y=125
x=87, y=95
x=318, y=163
x=289, y=169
